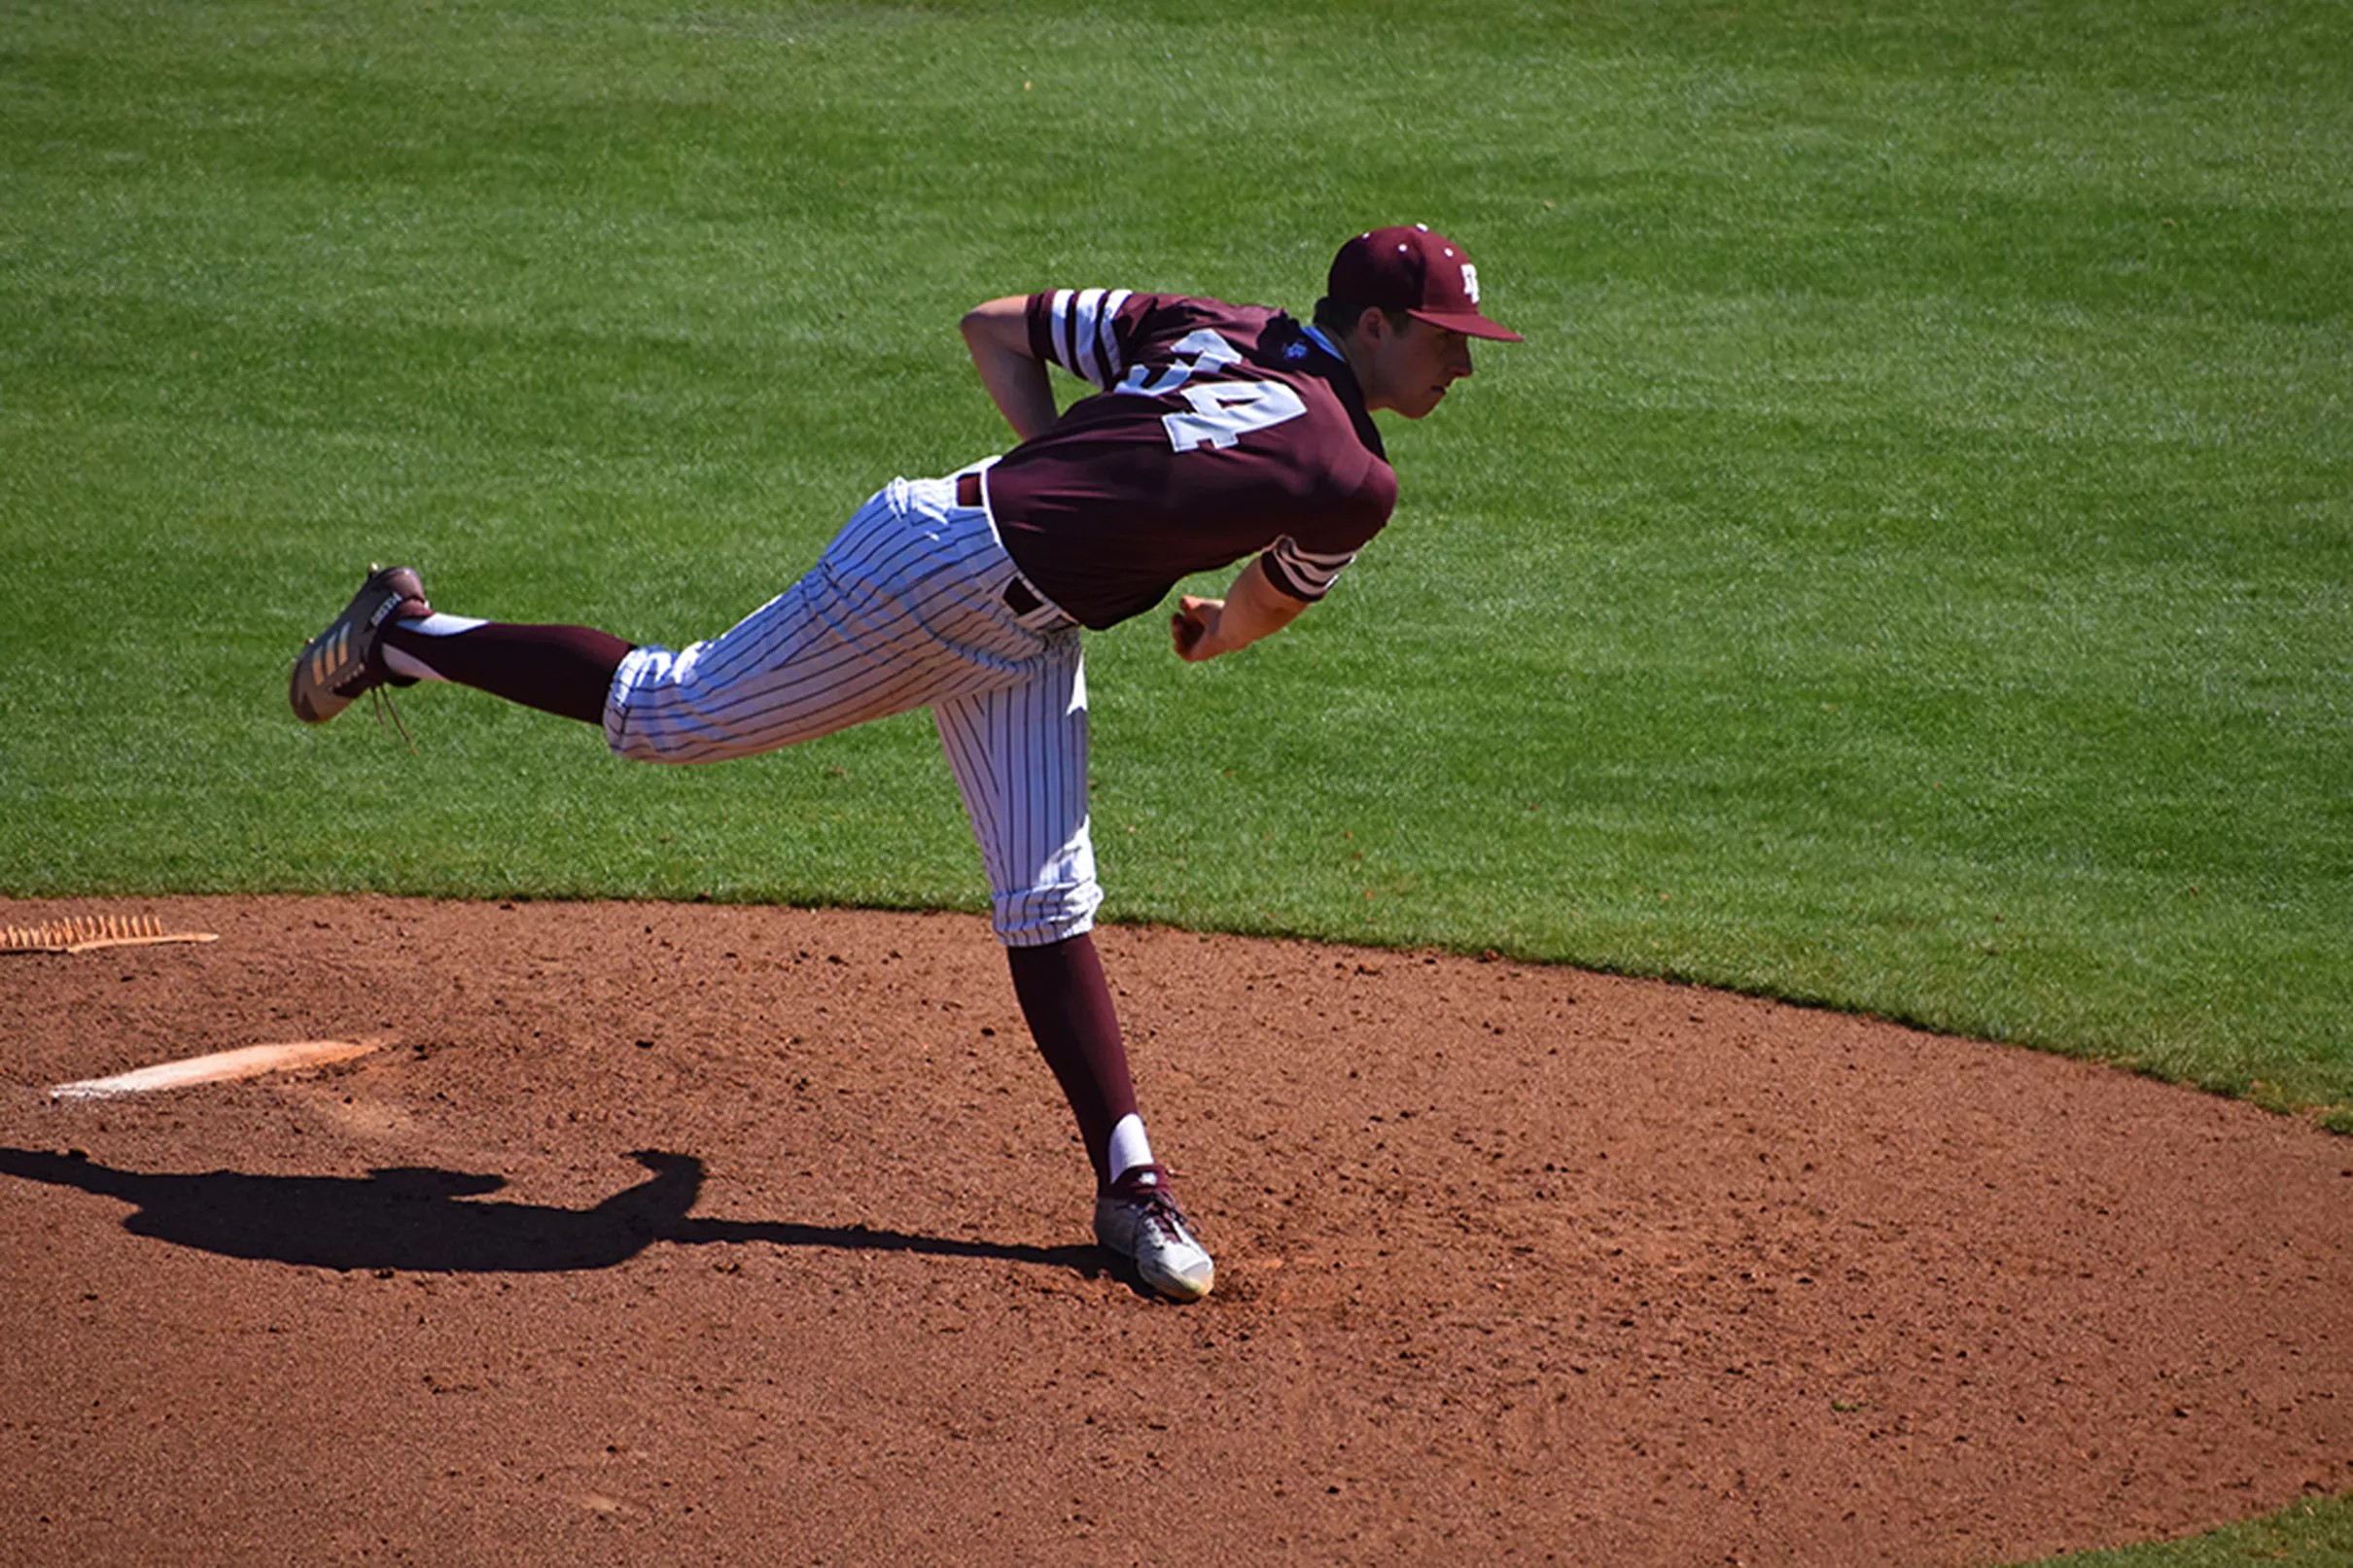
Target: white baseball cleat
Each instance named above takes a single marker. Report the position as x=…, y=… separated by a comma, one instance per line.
x=1137, y=1218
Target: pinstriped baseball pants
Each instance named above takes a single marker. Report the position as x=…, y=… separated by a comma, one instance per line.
x=905, y=610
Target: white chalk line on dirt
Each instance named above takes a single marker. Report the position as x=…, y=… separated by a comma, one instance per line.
x=218, y=1067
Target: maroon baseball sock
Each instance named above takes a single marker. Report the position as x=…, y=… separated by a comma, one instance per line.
x=1068, y=1003
x=563, y=670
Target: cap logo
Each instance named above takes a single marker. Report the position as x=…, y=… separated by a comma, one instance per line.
x=1470, y=282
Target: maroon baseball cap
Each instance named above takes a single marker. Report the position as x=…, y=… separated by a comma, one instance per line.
x=1425, y=275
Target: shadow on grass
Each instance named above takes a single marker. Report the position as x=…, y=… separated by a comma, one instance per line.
x=428, y=1221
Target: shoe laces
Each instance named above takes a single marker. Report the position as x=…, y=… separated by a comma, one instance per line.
x=1155, y=1203
x=372, y=670
x=382, y=700
x=1163, y=1215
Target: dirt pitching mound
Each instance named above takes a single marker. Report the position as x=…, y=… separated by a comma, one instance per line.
x=691, y=1234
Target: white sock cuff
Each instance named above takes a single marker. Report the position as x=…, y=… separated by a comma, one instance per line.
x=407, y=666
x=1129, y=1148
x=440, y=625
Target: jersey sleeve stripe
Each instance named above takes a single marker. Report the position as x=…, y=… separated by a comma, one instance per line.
x=1304, y=574
x=1106, y=340
x=1060, y=328
x=1084, y=314
x=1082, y=332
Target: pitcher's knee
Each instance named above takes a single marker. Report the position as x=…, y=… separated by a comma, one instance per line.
x=1036, y=915
x=650, y=716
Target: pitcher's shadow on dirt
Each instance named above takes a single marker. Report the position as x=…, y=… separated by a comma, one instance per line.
x=425, y=1221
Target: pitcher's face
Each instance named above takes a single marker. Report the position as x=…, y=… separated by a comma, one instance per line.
x=1409, y=369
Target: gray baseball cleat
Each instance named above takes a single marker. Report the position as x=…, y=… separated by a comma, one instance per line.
x=1137, y=1217
x=341, y=663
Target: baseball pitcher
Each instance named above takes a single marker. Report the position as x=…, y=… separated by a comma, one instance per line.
x=1215, y=433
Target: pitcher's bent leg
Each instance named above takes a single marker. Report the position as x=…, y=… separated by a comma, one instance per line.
x=1019, y=754
x=1020, y=759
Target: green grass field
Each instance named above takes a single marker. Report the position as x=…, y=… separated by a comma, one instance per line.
x=1908, y=568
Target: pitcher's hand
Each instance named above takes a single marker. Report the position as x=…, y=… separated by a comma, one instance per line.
x=1193, y=628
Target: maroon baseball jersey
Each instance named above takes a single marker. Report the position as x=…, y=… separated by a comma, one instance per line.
x=1220, y=430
